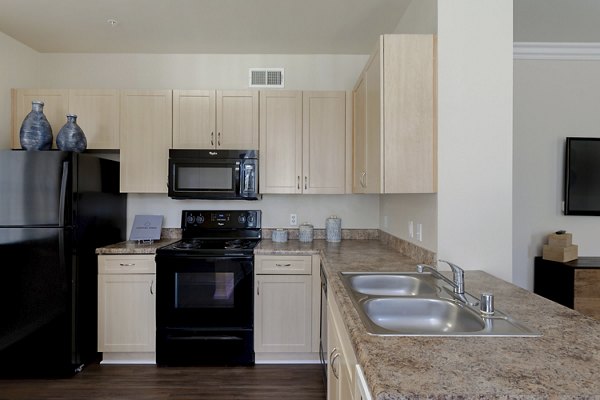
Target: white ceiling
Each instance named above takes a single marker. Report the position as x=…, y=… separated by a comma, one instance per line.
x=201, y=26
x=254, y=26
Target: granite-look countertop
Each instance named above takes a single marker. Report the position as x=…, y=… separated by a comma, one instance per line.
x=563, y=363
x=133, y=247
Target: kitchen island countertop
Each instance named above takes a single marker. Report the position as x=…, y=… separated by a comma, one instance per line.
x=563, y=363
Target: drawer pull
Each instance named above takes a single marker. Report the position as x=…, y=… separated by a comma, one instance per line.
x=283, y=265
x=333, y=369
x=151, y=287
x=127, y=264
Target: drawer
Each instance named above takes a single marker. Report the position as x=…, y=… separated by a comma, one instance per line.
x=281, y=265
x=126, y=264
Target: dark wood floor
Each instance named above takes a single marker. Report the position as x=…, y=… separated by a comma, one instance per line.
x=104, y=382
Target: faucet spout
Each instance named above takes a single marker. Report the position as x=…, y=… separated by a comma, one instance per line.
x=457, y=282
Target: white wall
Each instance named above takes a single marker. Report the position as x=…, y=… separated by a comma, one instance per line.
x=19, y=66
x=475, y=51
x=420, y=17
x=198, y=71
x=553, y=99
x=356, y=211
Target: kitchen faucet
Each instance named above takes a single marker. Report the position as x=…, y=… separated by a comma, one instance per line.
x=457, y=282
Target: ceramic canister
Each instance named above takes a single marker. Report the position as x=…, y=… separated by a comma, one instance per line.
x=305, y=233
x=279, y=235
x=333, y=229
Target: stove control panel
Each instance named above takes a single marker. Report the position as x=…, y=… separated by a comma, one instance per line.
x=215, y=219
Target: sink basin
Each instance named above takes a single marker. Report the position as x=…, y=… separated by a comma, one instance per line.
x=421, y=315
x=390, y=284
x=419, y=304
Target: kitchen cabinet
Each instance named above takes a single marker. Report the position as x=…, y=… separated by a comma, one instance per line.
x=221, y=119
x=573, y=284
x=97, y=113
x=126, y=308
x=395, y=107
x=145, y=137
x=304, y=142
x=56, y=107
x=361, y=390
x=342, y=363
x=286, y=308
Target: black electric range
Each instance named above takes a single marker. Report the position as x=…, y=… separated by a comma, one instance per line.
x=204, y=296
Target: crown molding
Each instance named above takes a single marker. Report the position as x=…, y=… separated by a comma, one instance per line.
x=556, y=51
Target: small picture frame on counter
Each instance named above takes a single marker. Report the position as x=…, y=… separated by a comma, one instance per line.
x=146, y=228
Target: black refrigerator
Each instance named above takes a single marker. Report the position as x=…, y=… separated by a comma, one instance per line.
x=56, y=208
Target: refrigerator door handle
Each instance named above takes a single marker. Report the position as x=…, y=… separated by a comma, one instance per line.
x=63, y=193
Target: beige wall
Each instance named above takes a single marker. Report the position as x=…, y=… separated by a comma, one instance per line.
x=553, y=99
x=420, y=17
x=475, y=67
x=19, y=66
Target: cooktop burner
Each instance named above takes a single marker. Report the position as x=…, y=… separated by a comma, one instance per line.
x=216, y=233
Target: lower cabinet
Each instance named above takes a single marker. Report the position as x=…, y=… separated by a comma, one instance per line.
x=286, y=308
x=342, y=361
x=126, y=308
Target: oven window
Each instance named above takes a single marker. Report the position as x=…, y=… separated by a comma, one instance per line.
x=204, y=178
x=204, y=289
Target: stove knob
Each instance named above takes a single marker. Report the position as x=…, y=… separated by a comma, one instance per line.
x=251, y=219
x=199, y=219
x=190, y=219
x=242, y=219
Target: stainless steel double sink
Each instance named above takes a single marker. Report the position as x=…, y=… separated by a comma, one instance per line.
x=420, y=304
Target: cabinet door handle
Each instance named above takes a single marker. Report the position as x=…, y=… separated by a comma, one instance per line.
x=127, y=264
x=283, y=265
x=212, y=138
x=219, y=139
x=306, y=182
x=331, y=353
x=362, y=179
x=258, y=288
x=152, y=287
x=298, y=182
x=335, y=373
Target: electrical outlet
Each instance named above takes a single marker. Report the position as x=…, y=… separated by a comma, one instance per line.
x=411, y=230
x=293, y=220
x=420, y=232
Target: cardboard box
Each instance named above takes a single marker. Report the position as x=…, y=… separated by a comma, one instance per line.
x=560, y=254
x=562, y=240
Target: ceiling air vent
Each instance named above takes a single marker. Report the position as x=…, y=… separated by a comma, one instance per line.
x=266, y=77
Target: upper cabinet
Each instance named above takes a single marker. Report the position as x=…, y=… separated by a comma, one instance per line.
x=97, y=113
x=395, y=117
x=303, y=142
x=146, y=131
x=209, y=119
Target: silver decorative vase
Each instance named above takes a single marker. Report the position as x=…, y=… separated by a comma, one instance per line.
x=36, y=132
x=71, y=136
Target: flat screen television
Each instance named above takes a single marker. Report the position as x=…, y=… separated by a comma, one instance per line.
x=582, y=176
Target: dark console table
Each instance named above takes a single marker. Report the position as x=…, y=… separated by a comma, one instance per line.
x=574, y=284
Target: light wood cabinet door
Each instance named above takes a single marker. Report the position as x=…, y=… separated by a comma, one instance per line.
x=56, y=107
x=237, y=120
x=359, y=137
x=409, y=117
x=194, y=119
x=280, y=142
x=146, y=137
x=126, y=313
x=373, y=115
x=342, y=359
x=97, y=113
x=283, y=313
x=324, y=142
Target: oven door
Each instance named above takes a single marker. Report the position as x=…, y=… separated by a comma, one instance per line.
x=204, y=292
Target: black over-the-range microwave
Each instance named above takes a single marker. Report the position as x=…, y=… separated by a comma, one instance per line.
x=213, y=174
